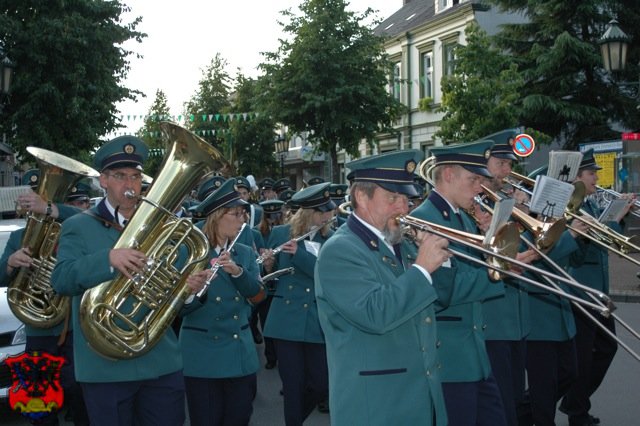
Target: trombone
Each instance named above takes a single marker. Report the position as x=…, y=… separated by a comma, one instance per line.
x=598, y=297
x=461, y=238
x=609, y=194
x=599, y=233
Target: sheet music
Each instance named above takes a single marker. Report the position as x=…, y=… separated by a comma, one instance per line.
x=614, y=211
x=550, y=196
x=564, y=165
x=501, y=213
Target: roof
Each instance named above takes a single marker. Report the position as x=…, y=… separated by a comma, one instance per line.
x=413, y=14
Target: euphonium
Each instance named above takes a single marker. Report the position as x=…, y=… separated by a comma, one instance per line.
x=125, y=318
x=30, y=295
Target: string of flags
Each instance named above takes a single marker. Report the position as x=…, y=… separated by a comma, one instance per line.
x=204, y=132
x=242, y=116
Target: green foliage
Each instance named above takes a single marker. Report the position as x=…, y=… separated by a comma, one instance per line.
x=483, y=96
x=567, y=93
x=212, y=97
x=253, y=146
x=151, y=134
x=329, y=78
x=425, y=104
x=70, y=64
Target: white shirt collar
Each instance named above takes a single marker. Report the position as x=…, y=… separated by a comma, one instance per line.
x=375, y=230
x=120, y=219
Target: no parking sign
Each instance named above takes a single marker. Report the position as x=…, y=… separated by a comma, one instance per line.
x=523, y=145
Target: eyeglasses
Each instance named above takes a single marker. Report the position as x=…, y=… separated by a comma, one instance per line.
x=236, y=214
x=393, y=198
x=121, y=177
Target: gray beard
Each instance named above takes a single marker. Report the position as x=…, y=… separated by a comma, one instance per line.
x=394, y=236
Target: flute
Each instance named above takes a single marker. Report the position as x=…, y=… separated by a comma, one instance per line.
x=216, y=265
x=278, y=249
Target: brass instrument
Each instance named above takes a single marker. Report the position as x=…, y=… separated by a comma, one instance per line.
x=260, y=260
x=497, y=252
x=545, y=233
x=598, y=233
x=610, y=194
x=30, y=295
x=125, y=318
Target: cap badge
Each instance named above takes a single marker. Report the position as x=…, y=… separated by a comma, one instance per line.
x=33, y=178
x=411, y=166
x=326, y=194
x=217, y=183
x=129, y=148
x=487, y=153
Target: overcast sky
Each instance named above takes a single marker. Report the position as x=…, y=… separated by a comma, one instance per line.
x=183, y=37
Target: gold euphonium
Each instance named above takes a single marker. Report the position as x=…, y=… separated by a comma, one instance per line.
x=30, y=295
x=124, y=318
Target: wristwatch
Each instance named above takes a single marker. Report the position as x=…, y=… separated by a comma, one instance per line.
x=49, y=210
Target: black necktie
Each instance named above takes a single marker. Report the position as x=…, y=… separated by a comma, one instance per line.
x=396, y=250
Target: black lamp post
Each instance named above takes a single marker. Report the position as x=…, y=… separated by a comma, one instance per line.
x=282, y=149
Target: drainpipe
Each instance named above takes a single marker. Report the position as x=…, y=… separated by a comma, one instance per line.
x=409, y=90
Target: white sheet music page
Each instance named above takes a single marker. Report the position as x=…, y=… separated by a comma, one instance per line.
x=550, y=196
x=501, y=212
x=564, y=165
x=614, y=211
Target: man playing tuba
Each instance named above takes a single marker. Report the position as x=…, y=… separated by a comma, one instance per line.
x=149, y=389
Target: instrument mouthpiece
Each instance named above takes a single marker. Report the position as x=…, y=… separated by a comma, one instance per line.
x=130, y=193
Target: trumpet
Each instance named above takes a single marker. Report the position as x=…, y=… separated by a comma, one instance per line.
x=260, y=260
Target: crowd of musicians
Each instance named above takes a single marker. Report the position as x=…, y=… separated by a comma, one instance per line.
x=364, y=320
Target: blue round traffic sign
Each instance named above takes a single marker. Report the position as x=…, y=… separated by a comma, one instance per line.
x=523, y=145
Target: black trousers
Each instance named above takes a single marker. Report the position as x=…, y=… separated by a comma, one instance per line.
x=220, y=402
x=595, y=352
x=507, y=358
x=474, y=403
x=260, y=313
x=551, y=369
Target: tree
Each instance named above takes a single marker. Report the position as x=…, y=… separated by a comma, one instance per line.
x=252, y=140
x=567, y=93
x=210, y=101
x=483, y=96
x=151, y=133
x=70, y=63
x=330, y=79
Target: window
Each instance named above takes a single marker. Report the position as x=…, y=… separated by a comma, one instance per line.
x=394, y=84
x=426, y=75
x=449, y=59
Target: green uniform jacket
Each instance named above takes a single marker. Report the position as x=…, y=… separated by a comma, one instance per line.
x=83, y=263
x=293, y=314
x=590, y=265
x=15, y=243
x=379, y=321
x=216, y=330
x=461, y=325
x=551, y=315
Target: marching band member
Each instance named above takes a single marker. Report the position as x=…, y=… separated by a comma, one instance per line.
x=293, y=315
x=375, y=302
x=220, y=359
x=507, y=316
x=146, y=390
x=266, y=189
x=58, y=339
x=470, y=390
x=594, y=349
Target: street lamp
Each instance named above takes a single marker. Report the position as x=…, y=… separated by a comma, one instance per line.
x=613, y=47
x=282, y=149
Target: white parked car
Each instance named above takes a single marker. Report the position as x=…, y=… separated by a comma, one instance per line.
x=12, y=334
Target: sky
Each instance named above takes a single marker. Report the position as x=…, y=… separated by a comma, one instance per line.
x=183, y=37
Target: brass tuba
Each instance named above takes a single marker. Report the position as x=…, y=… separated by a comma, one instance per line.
x=30, y=295
x=124, y=318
